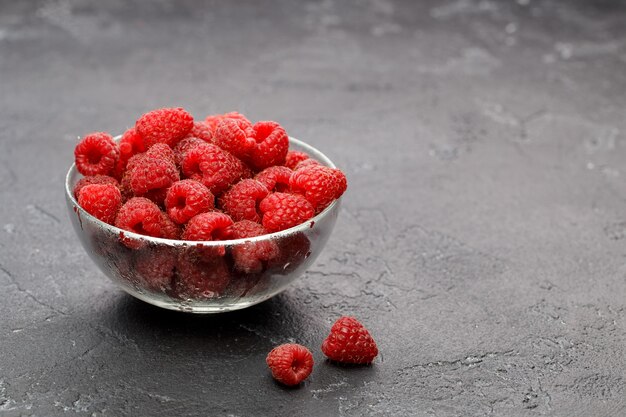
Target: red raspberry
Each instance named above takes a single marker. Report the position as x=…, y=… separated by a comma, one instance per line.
x=142, y=216
x=294, y=157
x=161, y=151
x=212, y=166
x=246, y=284
x=213, y=120
x=247, y=172
x=306, y=163
x=167, y=126
x=152, y=177
x=169, y=229
x=319, y=184
x=130, y=144
x=154, y=267
x=235, y=136
x=275, y=178
x=187, y=198
x=199, y=279
x=272, y=145
x=102, y=201
x=96, y=154
x=246, y=228
x=184, y=145
x=350, y=342
x=242, y=199
x=290, y=363
x=96, y=179
x=208, y=226
x=249, y=257
x=293, y=250
x=282, y=211
x=133, y=162
x=201, y=131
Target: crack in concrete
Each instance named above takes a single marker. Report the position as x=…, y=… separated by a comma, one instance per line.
x=46, y=213
x=28, y=294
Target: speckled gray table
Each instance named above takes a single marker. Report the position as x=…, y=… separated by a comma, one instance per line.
x=482, y=239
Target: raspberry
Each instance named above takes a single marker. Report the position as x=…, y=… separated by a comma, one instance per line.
x=208, y=226
x=96, y=179
x=184, y=145
x=246, y=172
x=235, y=136
x=96, y=154
x=154, y=266
x=293, y=250
x=200, y=278
x=242, y=199
x=161, y=151
x=246, y=228
x=350, y=342
x=290, y=363
x=142, y=216
x=250, y=256
x=212, y=166
x=275, y=178
x=151, y=177
x=282, y=211
x=133, y=162
x=201, y=131
x=167, y=126
x=187, y=198
x=242, y=284
x=169, y=229
x=294, y=157
x=213, y=120
x=319, y=184
x=306, y=163
x=102, y=201
x=130, y=144
x=272, y=145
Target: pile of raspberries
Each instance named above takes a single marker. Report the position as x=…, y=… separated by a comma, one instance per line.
x=223, y=178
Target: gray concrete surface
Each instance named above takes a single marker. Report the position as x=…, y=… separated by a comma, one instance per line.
x=482, y=238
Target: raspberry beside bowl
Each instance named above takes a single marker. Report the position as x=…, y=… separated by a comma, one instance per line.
x=201, y=277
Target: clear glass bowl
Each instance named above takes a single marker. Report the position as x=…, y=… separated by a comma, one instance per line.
x=202, y=277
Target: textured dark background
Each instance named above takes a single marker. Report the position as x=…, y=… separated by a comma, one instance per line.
x=481, y=240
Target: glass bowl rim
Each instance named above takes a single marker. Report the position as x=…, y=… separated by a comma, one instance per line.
x=313, y=152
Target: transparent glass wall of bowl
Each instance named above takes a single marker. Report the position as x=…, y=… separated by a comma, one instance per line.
x=202, y=277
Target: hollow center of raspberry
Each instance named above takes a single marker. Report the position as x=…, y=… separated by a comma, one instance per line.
x=181, y=202
x=281, y=187
x=140, y=229
x=94, y=156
